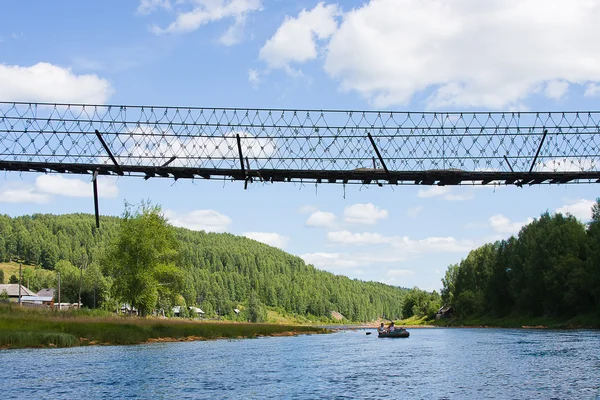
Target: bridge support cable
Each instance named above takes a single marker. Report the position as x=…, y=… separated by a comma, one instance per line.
x=508, y=163
x=537, y=153
x=244, y=173
x=96, y=211
x=110, y=154
x=387, y=172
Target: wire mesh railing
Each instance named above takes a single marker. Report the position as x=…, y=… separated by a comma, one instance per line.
x=302, y=145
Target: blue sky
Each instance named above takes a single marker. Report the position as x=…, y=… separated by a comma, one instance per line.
x=387, y=54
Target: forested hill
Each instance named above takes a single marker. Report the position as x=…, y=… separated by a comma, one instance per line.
x=551, y=268
x=221, y=271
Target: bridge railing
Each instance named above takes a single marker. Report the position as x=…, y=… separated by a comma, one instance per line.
x=291, y=145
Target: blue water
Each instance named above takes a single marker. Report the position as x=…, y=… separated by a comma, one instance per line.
x=431, y=364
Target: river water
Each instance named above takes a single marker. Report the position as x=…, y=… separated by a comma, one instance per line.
x=431, y=364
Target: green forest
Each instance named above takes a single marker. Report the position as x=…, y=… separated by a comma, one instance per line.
x=141, y=260
x=550, y=269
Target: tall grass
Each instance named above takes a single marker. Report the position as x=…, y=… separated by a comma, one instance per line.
x=23, y=327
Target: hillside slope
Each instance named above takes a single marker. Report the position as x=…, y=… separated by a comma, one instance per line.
x=221, y=270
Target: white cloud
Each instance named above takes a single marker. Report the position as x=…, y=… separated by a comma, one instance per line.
x=44, y=82
x=432, y=245
x=459, y=197
x=235, y=32
x=148, y=6
x=567, y=165
x=324, y=260
x=207, y=11
x=254, y=78
x=321, y=219
x=148, y=145
x=366, y=214
x=414, y=212
x=22, y=194
x=445, y=192
x=48, y=185
x=350, y=238
x=346, y=261
x=465, y=53
x=591, y=90
x=199, y=220
x=580, y=209
x=502, y=224
x=403, y=244
x=74, y=187
x=556, y=89
x=270, y=238
x=433, y=191
x=295, y=40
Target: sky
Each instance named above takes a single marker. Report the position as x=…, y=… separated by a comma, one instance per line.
x=404, y=55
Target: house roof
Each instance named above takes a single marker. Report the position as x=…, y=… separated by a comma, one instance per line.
x=13, y=290
x=36, y=298
x=46, y=292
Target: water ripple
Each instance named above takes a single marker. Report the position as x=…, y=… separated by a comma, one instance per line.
x=431, y=364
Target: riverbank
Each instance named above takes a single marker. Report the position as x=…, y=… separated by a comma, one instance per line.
x=589, y=321
x=21, y=327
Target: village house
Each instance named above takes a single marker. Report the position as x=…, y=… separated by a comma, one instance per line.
x=444, y=312
x=12, y=290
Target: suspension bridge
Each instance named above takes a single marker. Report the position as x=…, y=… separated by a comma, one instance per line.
x=308, y=146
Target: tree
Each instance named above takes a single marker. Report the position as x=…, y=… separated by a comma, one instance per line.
x=256, y=312
x=1, y=276
x=13, y=279
x=141, y=260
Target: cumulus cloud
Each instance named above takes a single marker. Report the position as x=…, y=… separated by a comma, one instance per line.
x=445, y=192
x=502, y=224
x=402, y=243
x=149, y=145
x=365, y=214
x=457, y=53
x=254, y=78
x=199, y=220
x=295, y=40
x=148, y=6
x=46, y=186
x=580, y=209
x=74, y=187
x=346, y=237
x=433, y=191
x=22, y=194
x=44, y=82
x=567, y=165
x=270, y=238
x=592, y=90
x=321, y=219
x=204, y=12
x=337, y=261
x=414, y=212
x=324, y=260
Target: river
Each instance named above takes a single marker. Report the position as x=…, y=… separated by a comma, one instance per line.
x=440, y=363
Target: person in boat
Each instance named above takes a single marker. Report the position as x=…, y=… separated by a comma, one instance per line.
x=391, y=327
x=381, y=328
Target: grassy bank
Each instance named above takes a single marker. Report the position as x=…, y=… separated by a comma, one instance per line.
x=23, y=327
x=590, y=321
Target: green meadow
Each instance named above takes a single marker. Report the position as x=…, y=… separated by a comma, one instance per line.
x=27, y=327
